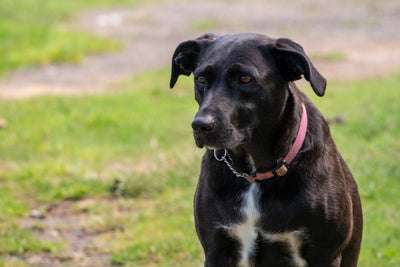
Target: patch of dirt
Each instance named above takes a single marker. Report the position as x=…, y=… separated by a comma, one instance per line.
x=365, y=31
x=66, y=222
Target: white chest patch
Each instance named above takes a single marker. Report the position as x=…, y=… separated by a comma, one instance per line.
x=246, y=231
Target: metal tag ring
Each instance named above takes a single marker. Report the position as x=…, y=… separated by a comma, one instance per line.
x=222, y=158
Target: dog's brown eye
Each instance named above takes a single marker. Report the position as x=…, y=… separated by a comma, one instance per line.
x=201, y=79
x=245, y=79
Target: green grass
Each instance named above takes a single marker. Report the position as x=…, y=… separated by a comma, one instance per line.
x=330, y=57
x=38, y=32
x=17, y=241
x=72, y=148
x=207, y=24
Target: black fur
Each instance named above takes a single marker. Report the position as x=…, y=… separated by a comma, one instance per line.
x=258, y=120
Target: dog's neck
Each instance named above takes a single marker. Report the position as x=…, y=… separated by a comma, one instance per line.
x=270, y=144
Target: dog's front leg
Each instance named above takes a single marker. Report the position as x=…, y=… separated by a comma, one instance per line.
x=320, y=261
x=216, y=261
x=222, y=251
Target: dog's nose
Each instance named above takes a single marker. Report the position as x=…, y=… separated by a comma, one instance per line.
x=203, y=125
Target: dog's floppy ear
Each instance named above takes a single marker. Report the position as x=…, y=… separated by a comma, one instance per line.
x=292, y=62
x=185, y=57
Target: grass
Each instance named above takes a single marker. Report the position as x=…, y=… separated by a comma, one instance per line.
x=71, y=148
x=38, y=32
x=17, y=241
x=76, y=148
x=329, y=57
x=207, y=24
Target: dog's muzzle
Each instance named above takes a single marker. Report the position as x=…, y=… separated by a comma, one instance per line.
x=203, y=125
x=202, y=129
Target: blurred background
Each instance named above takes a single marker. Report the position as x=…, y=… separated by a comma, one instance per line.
x=97, y=162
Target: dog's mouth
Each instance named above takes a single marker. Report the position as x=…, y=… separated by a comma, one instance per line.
x=227, y=140
x=218, y=132
x=208, y=142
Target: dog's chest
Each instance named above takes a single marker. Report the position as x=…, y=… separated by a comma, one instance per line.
x=247, y=232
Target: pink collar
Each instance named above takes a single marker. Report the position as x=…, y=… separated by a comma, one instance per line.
x=282, y=168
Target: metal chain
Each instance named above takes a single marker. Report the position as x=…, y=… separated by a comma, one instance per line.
x=224, y=159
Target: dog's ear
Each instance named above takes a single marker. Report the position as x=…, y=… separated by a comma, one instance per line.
x=292, y=62
x=185, y=56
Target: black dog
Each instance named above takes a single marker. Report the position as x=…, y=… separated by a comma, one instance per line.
x=273, y=188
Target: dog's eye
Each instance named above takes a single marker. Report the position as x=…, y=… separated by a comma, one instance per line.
x=245, y=79
x=201, y=79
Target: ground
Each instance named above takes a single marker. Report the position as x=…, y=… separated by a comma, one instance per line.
x=345, y=39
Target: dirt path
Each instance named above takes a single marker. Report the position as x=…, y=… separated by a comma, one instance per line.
x=365, y=35
x=65, y=222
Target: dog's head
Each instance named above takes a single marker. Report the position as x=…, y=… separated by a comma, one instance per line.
x=241, y=81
